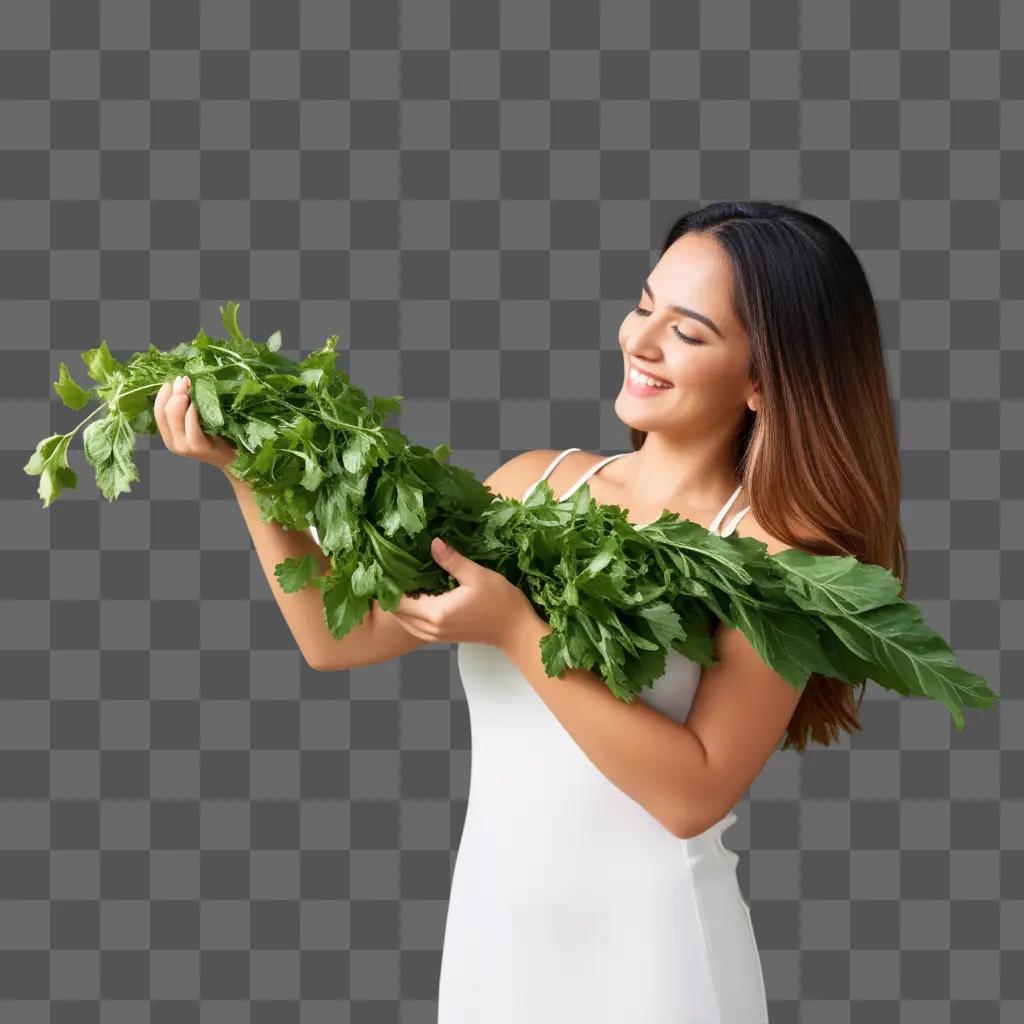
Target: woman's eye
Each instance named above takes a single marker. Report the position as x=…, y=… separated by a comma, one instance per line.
x=679, y=333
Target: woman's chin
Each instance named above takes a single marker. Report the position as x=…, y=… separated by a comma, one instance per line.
x=635, y=412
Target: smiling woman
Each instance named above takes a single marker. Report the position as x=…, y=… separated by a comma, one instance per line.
x=592, y=881
x=768, y=334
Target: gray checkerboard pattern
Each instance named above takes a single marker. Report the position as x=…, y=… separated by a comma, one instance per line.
x=194, y=826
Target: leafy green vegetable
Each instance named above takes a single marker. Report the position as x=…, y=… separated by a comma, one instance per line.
x=316, y=452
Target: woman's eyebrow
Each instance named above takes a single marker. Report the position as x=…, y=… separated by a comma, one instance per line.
x=692, y=314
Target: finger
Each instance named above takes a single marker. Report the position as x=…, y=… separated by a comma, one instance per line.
x=410, y=625
x=175, y=410
x=424, y=608
x=196, y=440
x=415, y=611
x=408, y=617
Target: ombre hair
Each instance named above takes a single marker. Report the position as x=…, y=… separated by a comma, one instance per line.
x=819, y=460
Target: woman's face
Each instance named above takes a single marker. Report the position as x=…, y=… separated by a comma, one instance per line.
x=702, y=353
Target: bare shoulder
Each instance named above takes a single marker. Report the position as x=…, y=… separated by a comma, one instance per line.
x=748, y=526
x=514, y=476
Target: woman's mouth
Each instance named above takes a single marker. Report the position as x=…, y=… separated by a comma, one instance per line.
x=639, y=383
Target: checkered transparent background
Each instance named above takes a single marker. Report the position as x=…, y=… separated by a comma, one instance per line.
x=194, y=826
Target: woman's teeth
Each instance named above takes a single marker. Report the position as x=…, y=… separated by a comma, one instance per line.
x=642, y=378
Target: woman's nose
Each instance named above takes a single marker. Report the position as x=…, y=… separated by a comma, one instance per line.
x=642, y=336
x=640, y=341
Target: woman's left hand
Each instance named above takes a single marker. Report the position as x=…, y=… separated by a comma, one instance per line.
x=485, y=608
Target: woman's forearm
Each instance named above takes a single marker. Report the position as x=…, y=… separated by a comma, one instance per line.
x=303, y=611
x=648, y=755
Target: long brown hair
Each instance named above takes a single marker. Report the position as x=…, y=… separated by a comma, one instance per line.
x=819, y=460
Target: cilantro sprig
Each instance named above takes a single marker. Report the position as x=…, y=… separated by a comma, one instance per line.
x=316, y=451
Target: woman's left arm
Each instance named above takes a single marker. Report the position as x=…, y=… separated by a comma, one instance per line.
x=687, y=776
x=649, y=756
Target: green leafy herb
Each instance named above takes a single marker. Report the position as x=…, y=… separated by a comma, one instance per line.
x=316, y=452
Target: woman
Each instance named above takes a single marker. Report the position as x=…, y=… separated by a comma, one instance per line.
x=592, y=883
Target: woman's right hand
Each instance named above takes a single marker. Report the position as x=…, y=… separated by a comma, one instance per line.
x=178, y=421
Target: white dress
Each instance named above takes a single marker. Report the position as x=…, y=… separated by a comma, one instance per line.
x=570, y=903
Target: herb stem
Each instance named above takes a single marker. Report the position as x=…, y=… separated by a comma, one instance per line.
x=111, y=403
x=239, y=362
x=281, y=401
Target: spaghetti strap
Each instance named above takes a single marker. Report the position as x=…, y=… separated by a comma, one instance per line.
x=547, y=472
x=713, y=528
x=735, y=519
x=715, y=523
x=590, y=472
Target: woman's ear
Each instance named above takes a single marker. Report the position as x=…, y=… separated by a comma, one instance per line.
x=753, y=400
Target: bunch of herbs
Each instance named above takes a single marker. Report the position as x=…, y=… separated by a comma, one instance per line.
x=317, y=452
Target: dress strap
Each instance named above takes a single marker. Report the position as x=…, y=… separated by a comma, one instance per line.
x=590, y=472
x=547, y=472
x=735, y=519
x=713, y=528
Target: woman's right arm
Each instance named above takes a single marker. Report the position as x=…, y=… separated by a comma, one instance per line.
x=378, y=637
